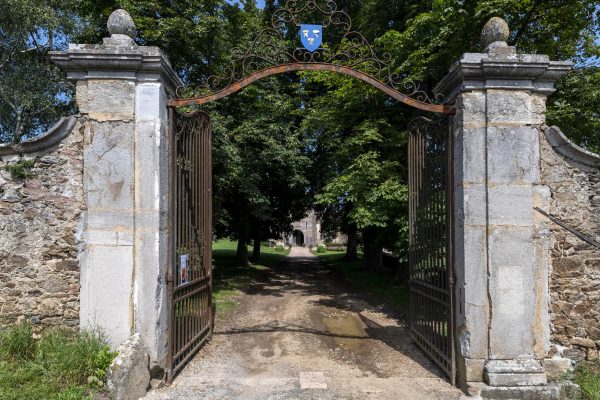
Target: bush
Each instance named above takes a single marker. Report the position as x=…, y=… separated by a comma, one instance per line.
x=62, y=365
x=280, y=247
x=321, y=248
x=21, y=170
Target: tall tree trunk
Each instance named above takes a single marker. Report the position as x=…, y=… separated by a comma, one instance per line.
x=243, y=238
x=373, y=251
x=22, y=122
x=18, y=129
x=256, y=249
x=402, y=273
x=352, y=245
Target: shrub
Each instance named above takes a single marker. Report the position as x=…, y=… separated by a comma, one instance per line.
x=280, y=247
x=20, y=170
x=321, y=248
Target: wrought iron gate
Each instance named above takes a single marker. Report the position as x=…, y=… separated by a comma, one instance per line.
x=430, y=251
x=190, y=276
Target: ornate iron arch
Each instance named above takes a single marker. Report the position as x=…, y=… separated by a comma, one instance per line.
x=273, y=52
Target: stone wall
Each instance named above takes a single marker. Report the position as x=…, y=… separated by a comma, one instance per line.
x=573, y=176
x=39, y=222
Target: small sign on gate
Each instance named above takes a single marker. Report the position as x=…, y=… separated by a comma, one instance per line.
x=184, y=276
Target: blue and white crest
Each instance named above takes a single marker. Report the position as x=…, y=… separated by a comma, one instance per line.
x=311, y=36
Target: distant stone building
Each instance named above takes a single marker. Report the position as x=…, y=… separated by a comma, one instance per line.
x=307, y=232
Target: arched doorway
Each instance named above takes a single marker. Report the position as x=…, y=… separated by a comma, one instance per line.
x=298, y=238
x=430, y=168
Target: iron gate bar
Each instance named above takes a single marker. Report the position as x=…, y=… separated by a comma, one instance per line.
x=280, y=69
x=430, y=230
x=189, y=299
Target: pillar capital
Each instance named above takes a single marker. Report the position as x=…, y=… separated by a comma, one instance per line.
x=502, y=71
x=85, y=62
x=118, y=58
x=501, y=67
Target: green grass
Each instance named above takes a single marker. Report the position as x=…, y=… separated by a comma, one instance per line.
x=380, y=285
x=587, y=376
x=61, y=365
x=230, y=278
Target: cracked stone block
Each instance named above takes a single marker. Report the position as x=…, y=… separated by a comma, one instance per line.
x=128, y=376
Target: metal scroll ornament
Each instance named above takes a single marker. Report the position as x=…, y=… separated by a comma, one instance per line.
x=276, y=46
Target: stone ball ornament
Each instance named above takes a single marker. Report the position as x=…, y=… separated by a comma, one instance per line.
x=496, y=30
x=121, y=23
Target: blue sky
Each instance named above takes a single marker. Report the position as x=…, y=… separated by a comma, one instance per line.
x=259, y=3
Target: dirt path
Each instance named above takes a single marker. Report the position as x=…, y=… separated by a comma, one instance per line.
x=303, y=335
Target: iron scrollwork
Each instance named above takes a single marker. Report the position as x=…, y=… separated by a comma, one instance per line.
x=271, y=48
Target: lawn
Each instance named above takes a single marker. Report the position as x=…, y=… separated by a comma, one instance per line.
x=378, y=284
x=61, y=365
x=230, y=278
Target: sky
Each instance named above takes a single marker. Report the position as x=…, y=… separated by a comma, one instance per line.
x=259, y=3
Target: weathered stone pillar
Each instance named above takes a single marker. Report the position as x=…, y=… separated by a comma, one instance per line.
x=501, y=244
x=122, y=91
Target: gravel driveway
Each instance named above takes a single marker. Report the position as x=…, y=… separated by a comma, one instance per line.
x=301, y=334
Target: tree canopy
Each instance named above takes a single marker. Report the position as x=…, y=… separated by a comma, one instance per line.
x=33, y=92
x=306, y=140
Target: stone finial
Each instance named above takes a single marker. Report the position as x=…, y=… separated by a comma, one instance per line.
x=121, y=23
x=495, y=33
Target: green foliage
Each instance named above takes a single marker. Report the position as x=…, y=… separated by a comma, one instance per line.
x=426, y=39
x=33, y=92
x=17, y=343
x=587, y=376
x=321, y=249
x=75, y=358
x=260, y=164
x=280, y=247
x=360, y=153
x=21, y=170
x=62, y=365
x=576, y=107
x=286, y=141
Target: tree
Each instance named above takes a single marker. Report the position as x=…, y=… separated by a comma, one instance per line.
x=424, y=39
x=432, y=35
x=33, y=92
x=288, y=140
x=576, y=107
x=260, y=165
x=359, y=145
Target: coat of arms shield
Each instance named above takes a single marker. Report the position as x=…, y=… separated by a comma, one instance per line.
x=311, y=36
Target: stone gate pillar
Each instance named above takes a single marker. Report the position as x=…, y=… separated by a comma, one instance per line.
x=122, y=91
x=502, y=300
